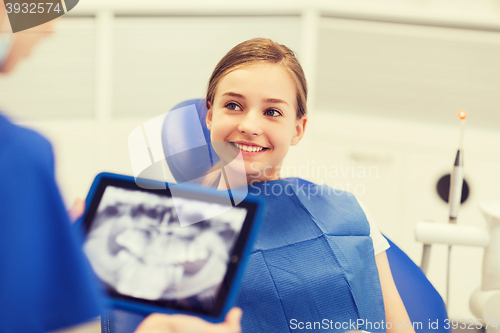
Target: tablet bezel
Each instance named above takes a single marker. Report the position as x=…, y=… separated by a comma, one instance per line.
x=227, y=293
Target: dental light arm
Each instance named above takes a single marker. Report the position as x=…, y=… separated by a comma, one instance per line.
x=451, y=234
x=485, y=300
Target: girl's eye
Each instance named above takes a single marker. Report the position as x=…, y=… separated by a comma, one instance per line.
x=233, y=106
x=272, y=113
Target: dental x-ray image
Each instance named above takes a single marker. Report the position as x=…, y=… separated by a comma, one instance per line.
x=138, y=249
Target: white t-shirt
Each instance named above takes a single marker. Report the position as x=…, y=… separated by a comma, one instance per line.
x=380, y=244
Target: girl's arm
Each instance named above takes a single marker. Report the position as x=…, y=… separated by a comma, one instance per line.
x=395, y=311
x=162, y=323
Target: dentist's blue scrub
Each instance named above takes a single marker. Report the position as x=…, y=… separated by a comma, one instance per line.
x=45, y=281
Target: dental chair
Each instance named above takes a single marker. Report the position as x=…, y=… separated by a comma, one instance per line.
x=185, y=139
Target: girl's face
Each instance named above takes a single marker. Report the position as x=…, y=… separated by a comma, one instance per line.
x=254, y=111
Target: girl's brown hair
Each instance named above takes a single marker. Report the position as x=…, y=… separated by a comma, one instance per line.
x=261, y=50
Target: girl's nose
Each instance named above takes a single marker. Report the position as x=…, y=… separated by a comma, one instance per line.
x=250, y=124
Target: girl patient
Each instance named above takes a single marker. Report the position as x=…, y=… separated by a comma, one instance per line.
x=318, y=262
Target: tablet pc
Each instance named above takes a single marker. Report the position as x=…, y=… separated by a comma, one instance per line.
x=150, y=261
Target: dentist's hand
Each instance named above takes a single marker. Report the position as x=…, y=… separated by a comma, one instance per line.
x=163, y=323
x=76, y=210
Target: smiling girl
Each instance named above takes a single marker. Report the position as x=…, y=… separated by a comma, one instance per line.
x=318, y=259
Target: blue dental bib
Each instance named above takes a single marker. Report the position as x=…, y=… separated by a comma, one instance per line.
x=313, y=263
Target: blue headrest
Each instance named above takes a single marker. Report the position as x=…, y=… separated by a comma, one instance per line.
x=186, y=141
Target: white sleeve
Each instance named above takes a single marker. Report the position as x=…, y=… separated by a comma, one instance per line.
x=380, y=244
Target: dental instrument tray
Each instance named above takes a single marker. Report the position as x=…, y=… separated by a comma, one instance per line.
x=171, y=248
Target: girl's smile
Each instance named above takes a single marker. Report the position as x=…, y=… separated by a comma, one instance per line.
x=254, y=113
x=248, y=148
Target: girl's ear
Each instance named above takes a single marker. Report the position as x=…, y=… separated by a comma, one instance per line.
x=300, y=127
x=208, y=119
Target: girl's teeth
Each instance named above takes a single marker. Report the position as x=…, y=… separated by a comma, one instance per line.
x=247, y=148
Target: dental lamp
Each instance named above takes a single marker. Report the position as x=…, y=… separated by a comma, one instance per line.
x=485, y=300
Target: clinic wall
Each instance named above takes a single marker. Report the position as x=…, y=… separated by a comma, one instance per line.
x=407, y=71
x=58, y=82
x=178, y=56
x=386, y=102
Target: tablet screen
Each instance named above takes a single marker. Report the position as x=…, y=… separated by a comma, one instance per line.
x=138, y=248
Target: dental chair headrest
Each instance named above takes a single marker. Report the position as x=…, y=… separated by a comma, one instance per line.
x=186, y=141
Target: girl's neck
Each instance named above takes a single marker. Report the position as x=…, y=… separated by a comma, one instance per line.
x=231, y=179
